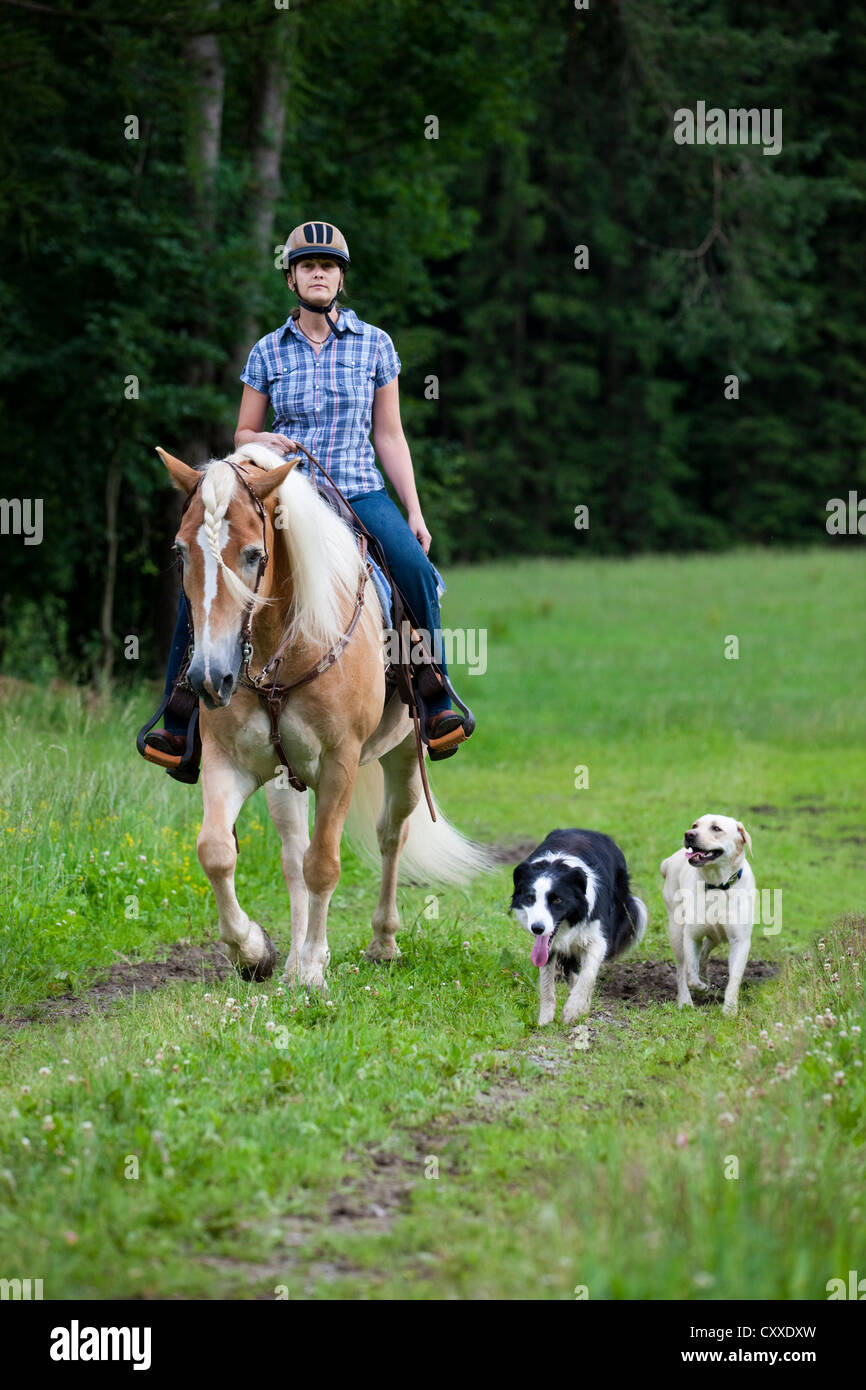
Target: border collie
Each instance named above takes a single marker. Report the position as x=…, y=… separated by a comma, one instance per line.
x=710, y=894
x=573, y=894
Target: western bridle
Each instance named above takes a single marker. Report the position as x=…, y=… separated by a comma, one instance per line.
x=273, y=697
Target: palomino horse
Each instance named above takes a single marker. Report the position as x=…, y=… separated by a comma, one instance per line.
x=333, y=729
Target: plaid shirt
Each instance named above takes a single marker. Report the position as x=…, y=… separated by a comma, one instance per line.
x=325, y=401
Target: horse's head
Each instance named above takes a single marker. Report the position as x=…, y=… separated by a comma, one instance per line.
x=223, y=539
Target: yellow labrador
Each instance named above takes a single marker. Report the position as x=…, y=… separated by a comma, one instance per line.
x=709, y=893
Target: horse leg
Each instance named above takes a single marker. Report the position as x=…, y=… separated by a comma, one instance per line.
x=225, y=787
x=402, y=792
x=290, y=813
x=322, y=860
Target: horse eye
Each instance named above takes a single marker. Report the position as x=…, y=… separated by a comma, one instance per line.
x=252, y=556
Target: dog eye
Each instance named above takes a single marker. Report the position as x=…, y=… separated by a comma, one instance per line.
x=718, y=829
x=555, y=900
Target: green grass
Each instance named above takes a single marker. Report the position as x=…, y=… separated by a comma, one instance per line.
x=607, y=1171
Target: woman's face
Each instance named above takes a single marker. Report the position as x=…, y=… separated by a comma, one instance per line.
x=317, y=278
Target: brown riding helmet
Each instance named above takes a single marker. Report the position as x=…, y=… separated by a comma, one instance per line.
x=316, y=239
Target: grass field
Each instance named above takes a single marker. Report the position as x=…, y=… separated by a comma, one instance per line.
x=414, y=1135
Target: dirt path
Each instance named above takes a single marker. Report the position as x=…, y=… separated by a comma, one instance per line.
x=203, y=963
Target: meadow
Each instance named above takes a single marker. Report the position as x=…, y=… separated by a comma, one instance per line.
x=413, y=1134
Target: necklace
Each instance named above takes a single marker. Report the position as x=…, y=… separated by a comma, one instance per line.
x=312, y=340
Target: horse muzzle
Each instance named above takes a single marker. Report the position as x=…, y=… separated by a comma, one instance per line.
x=213, y=680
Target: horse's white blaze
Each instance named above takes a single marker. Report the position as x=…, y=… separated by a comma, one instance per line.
x=211, y=579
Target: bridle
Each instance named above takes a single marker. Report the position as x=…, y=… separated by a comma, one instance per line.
x=273, y=697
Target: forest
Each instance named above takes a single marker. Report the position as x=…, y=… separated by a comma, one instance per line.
x=613, y=340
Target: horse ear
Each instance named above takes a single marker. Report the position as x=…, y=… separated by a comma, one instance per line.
x=271, y=479
x=183, y=477
x=747, y=839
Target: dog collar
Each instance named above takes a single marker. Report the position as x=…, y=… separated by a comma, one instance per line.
x=730, y=883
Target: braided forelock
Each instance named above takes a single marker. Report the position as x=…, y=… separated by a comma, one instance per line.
x=217, y=490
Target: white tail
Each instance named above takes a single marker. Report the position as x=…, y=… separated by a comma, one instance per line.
x=642, y=919
x=435, y=852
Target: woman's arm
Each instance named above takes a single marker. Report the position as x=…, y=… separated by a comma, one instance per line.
x=251, y=418
x=389, y=441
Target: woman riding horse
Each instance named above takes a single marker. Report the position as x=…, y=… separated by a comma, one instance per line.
x=326, y=390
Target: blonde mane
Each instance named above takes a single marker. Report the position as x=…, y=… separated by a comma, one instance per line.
x=324, y=559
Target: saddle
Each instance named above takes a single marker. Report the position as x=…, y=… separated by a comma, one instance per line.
x=416, y=677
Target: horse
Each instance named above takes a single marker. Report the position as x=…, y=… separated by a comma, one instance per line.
x=268, y=566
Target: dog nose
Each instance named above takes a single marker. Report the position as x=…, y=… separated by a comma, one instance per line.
x=690, y=837
x=537, y=928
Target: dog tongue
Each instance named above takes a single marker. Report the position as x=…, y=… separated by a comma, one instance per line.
x=540, y=950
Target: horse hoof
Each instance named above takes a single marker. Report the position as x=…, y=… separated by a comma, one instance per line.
x=264, y=966
x=382, y=951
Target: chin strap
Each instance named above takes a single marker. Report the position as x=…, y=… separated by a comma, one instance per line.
x=317, y=309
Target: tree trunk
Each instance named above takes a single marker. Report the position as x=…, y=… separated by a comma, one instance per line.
x=204, y=58
x=270, y=127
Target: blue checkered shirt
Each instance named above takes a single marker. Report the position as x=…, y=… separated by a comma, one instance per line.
x=326, y=401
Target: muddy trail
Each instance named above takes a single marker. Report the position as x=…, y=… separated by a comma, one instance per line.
x=631, y=982
x=206, y=964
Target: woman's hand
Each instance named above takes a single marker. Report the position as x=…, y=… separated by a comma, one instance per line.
x=418, y=528
x=280, y=442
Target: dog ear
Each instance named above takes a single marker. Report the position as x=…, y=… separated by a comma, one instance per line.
x=520, y=872
x=746, y=837
x=578, y=876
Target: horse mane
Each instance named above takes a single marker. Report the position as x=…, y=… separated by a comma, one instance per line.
x=325, y=562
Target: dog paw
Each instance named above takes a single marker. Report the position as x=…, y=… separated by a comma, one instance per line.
x=572, y=1012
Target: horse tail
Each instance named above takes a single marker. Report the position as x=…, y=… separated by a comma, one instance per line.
x=434, y=852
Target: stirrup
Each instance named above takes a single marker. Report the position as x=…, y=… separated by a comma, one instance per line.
x=185, y=767
x=432, y=681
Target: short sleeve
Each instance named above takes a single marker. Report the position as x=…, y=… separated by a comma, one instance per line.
x=388, y=364
x=255, y=373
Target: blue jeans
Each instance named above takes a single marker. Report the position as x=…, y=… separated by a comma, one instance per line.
x=406, y=560
x=179, y=644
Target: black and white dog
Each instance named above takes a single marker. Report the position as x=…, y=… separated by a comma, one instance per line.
x=573, y=894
